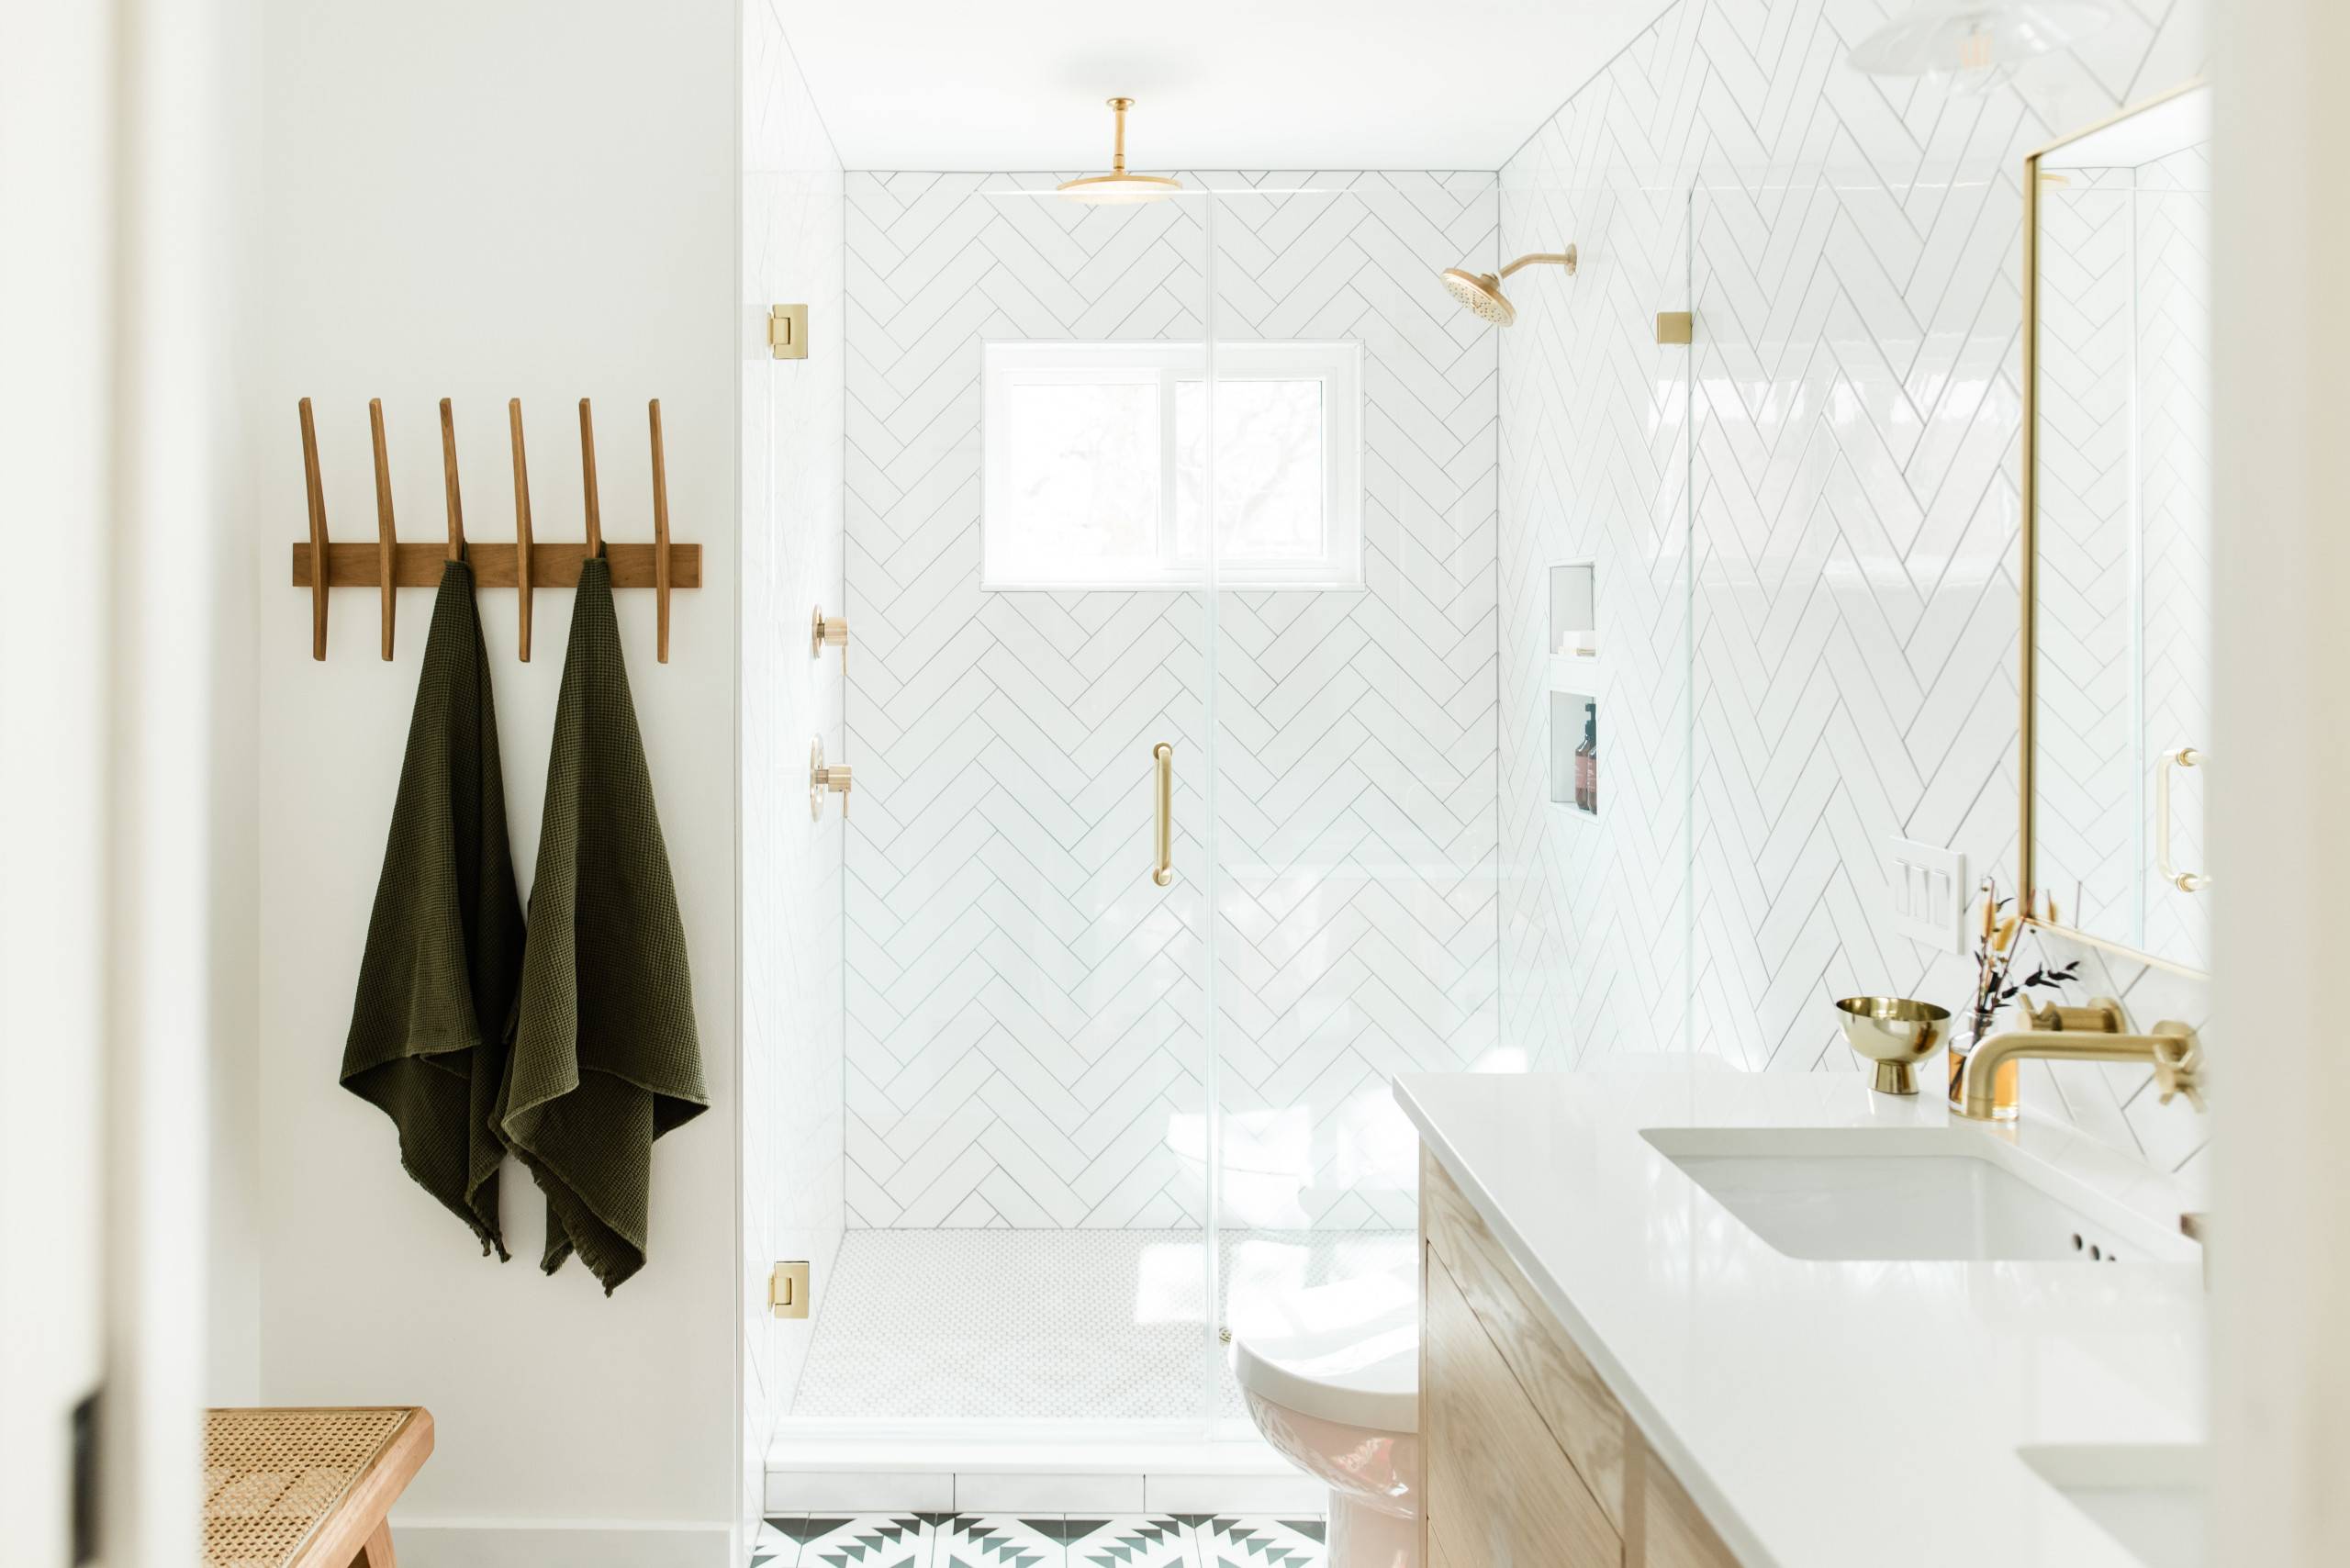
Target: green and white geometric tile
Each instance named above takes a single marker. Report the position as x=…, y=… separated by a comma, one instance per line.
x=1037, y=1540
x=1228, y=1541
x=891, y=1540
x=999, y=1540
x=1154, y=1541
x=776, y=1543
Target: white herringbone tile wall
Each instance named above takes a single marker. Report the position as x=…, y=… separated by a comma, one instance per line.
x=791, y=442
x=1831, y=535
x=1025, y=1010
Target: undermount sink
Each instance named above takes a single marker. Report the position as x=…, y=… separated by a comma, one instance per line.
x=2154, y=1498
x=1921, y=1194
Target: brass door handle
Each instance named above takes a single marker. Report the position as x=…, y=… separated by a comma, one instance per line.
x=2184, y=882
x=1163, y=756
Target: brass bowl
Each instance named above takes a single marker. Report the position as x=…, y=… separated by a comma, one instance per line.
x=1896, y=1034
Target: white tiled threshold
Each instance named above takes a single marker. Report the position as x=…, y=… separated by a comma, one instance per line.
x=997, y=1371
x=1039, y=1540
x=1055, y=1325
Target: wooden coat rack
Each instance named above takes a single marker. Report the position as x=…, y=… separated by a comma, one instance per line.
x=525, y=565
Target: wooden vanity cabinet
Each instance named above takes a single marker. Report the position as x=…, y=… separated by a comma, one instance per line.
x=1530, y=1461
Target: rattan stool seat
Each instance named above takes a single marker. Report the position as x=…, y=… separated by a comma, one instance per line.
x=306, y=1488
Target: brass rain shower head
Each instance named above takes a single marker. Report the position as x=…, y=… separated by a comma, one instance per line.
x=1482, y=292
x=1118, y=188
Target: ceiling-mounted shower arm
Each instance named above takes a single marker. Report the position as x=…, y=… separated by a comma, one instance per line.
x=1118, y=147
x=1565, y=258
x=1118, y=187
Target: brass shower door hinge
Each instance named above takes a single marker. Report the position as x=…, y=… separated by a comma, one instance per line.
x=788, y=1290
x=788, y=331
x=1675, y=326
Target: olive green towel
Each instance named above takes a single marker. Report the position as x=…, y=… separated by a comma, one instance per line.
x=445, y=944
x=604, y=1055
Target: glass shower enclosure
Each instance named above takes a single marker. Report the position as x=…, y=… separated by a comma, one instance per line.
x=1178, y=710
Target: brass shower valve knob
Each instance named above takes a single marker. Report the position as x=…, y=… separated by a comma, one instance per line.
x=822, y=780
x=828, y=633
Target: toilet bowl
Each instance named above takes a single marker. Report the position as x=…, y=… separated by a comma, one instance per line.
x=1338, y=1392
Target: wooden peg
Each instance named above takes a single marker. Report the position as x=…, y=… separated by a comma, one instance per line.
x=317, y=499
x=449, y=482
x=387, y=544
x=660, y=537
x=587, y=480
x=522, y=522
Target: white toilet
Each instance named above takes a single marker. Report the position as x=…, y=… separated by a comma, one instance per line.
x=1337, y=1389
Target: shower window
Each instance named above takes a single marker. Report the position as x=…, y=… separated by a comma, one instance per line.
x=1094, y=467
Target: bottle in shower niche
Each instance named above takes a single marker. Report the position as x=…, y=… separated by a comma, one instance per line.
x=1591, y=747
x=1587, y=762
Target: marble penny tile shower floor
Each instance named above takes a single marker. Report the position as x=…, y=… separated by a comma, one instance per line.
x=1038, y=1540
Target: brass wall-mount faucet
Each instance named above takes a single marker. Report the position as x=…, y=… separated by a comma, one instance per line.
x=2085, y=1034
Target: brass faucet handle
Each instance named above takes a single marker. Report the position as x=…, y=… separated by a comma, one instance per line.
x=2178, y=1064
x=2103, y=1015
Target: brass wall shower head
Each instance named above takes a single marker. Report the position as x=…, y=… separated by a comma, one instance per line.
x=1482, y=292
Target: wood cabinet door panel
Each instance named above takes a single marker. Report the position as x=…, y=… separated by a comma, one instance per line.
x=1582, y=1417
x=1500, y=1493
x=1673, y=1532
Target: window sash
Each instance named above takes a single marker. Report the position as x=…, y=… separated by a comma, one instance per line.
x=1174, y=365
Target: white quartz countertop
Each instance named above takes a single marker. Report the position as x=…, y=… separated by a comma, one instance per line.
x=1827, y=1414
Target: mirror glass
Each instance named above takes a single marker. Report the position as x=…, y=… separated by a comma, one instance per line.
x=2121, y=530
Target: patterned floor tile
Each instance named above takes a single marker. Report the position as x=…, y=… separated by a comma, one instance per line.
x=1037, y=1540
x=1000, y=1540
x=1226, y=1541
x=891, y=1540
x=1155, y=1541
x=776, y=1543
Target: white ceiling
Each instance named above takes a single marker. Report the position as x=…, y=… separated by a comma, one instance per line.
x=1019, y=85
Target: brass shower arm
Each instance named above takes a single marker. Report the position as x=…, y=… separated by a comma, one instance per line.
x=1565, y=258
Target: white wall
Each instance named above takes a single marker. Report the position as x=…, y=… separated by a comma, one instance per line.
x=232, y=726
x=534, y=199
x=2280, y=1382
x=126, y=900
x=1838, y=482
x=791, y=450
x=56, y=147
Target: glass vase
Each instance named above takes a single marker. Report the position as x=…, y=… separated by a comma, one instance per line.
x=2006, y=1104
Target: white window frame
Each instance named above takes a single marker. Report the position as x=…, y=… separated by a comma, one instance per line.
x=1007, y=363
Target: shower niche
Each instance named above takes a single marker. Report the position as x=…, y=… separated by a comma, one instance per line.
x=1574, y=684
x=1573, y=611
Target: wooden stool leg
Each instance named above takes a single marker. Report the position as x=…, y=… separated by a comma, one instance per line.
x=377, y=1552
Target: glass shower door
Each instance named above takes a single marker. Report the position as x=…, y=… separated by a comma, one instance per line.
x=1352, y=621
x=1025, y=1040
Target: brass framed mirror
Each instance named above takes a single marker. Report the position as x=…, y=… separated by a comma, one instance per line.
x=2115, y=490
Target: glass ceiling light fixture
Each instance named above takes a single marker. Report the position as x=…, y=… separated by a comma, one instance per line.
x=1978, y=44
x=1118, y=188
